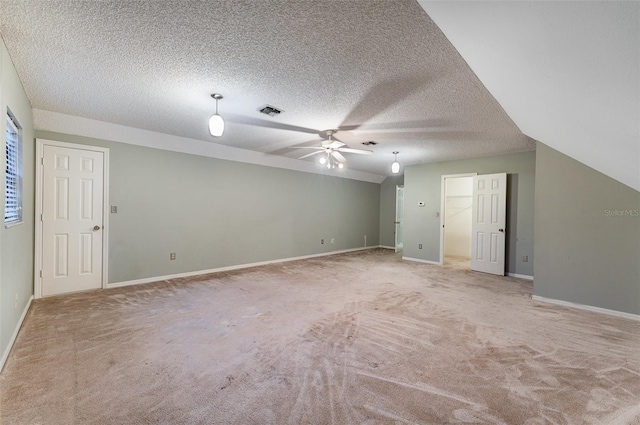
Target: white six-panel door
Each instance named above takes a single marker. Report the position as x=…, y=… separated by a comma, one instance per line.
x=489, y=221
x=72, y=219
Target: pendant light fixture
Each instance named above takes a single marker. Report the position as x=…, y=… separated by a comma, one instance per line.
x=216, y=123
x=395, y=167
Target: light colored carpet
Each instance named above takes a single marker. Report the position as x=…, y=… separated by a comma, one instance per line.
x=359, y=338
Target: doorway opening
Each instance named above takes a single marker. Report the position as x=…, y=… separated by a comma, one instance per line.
x=399, y=218
x=456, y=220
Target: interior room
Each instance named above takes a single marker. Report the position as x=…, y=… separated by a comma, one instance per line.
x=320, y=212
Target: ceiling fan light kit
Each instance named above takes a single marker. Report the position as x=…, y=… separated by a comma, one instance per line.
x=330, y=161
x=216, y=123
x=332, y=150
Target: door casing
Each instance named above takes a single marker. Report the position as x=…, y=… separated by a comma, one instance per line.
x=40, y=144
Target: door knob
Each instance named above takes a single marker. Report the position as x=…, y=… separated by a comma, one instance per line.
x=96, y=227
x=500, y=230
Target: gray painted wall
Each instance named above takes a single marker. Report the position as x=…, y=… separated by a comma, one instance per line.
x=423, y=183
x=388, y=209
x=16, y=243
x=587, y=235
x=215, y=213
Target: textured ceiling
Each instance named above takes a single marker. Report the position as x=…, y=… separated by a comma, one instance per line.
x=376, y=70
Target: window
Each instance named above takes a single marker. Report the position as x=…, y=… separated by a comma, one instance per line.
x=13, y=176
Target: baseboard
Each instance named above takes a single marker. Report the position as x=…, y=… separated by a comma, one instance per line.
x=458, y=257
x=235, y=267
x=387, y=247
x=419, y=260
x=590, y=308
x=6, y=353
x=520, y=276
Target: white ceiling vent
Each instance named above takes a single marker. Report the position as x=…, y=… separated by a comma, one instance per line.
x=272, y=111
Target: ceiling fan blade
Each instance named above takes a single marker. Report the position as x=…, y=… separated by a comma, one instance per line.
x=337, y=155
x=387, y=94
x=360, y=151
x=424, y=125
x=335, y=145
x=243, y=119
x=310, y=154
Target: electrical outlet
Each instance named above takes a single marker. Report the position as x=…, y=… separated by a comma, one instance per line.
x=15, y=302
x=525, y=258
x=321, y=241
x=419, y=246
x=114, y=209
x=172, y=256
x=333, y=240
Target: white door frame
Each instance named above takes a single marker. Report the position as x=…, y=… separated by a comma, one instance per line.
x=37, y=264
x=443, y=187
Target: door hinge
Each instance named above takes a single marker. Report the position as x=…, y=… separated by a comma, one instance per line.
x=40, y=273
x=40, y=217
x=42, y=160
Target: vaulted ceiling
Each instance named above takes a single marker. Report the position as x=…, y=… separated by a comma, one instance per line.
x=379, y=71
x=566, y=72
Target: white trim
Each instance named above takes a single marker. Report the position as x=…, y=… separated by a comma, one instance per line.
x=520, y=276
x=230, y=268
x=386, y=247
x=7, y=351
x=37, y=263
x=434, y=263
x=590, y=308
x=62, y=123
x=443, y=178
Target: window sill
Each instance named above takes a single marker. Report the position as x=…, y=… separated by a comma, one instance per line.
x=13, y=224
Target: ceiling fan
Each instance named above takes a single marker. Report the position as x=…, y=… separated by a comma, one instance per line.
x=331, y=151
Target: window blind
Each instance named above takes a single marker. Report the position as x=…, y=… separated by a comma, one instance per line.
x=13, y=175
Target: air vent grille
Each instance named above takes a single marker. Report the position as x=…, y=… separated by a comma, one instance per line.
x=272, y=111
x=369, y=143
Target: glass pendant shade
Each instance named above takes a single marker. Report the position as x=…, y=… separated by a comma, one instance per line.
x=216, y=125
x=395, y=167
